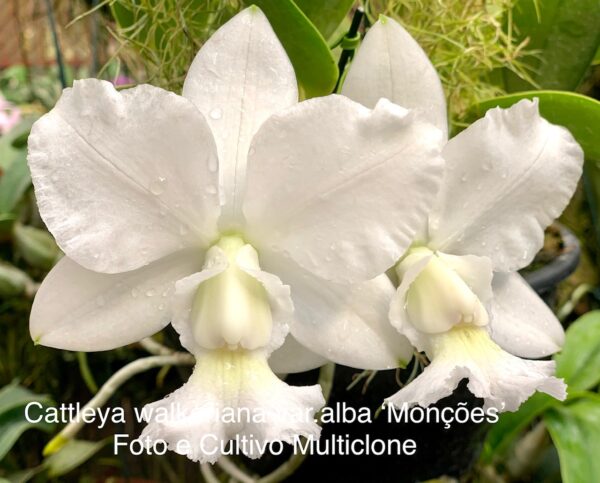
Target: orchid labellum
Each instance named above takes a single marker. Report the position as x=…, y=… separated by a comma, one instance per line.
x=460, y=300
x=235, y=212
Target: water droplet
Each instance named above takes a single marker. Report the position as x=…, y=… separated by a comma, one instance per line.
x=150, y=293
x=463, y=178
x=211, y=190
x=165, y=293
x=134, y=292
x=483, y=243
x=504, y=175
x=251, y=151
x=216, y=113
x=157, y=187
x=96, y=256
x=161, y=307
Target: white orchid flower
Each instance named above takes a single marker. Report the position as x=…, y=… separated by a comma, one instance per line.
x=207, y=208
x=507, y=177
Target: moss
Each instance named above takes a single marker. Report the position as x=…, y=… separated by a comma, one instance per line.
x=468, y=41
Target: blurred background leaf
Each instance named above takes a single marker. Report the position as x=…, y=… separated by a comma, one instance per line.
x=564, y=37
x=574, y=430
x=13, y=400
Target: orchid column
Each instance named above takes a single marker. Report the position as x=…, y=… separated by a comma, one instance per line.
x=460, y=300
x=234, y=212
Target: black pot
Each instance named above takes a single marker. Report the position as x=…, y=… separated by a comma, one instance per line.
x=545, y=280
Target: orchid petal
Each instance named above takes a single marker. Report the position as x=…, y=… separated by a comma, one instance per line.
x=124, y=178
x=77, y=309
x=264, y=408
x=347, y=325
x=501, y=379
x=522, y=323
x=509, y=175
x=294, y=357
x=341, y=189
x=391, y=64
x=239, y=78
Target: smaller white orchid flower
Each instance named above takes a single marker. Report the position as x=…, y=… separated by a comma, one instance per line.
x=207, y=208
x=507, y=177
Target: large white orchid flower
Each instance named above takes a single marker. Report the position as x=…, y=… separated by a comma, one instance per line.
x=206, y=209
x=507, y=177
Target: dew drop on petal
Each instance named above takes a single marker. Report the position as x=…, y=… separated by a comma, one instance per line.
x=216, y=113
x=150, y=293
x=463, y=178
x=157, y=187
x=161, y=307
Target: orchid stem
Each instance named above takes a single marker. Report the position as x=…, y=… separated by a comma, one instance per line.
x=230, y=468
x=86, y=373
x=58, y=53
x=348, y=53
x=155, y=348
x=208, y=473
x=110, y=387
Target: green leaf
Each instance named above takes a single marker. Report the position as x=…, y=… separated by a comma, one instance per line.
x=36, y=246
x=574, y=431
x=579, y=361
x=11, y=143
x=510, y=425
x=24, y=476
x=13, y=281
x=14, y=182
x=580, y=114
x=71, y=455
x=13, y=400
x=326, y=16
x=313, y=62
x=565, y=37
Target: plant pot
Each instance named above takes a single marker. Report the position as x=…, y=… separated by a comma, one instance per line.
x=545, y=279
